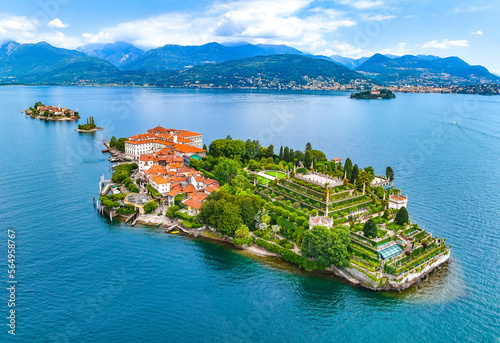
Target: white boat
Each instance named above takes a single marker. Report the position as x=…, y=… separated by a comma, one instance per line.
x=453, y=122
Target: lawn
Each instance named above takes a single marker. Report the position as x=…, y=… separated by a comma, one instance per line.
x=261, y=180
x=273, y=173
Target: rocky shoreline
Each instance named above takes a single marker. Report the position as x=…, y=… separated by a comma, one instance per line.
x=351, y=275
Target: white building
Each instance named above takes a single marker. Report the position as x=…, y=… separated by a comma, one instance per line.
x=398, y=201
x=180, y=142
x=160, y=184
x=320, y=221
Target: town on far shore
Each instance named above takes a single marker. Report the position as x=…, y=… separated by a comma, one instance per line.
x=327, y=216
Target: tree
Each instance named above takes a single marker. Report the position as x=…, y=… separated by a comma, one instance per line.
x=225, y=170
x=370, y=229
x=308, y=146
x=363, y=178
x=281, y=153
x=317, y=155
x=205, y=147
x=402, y=216
x=307, y=159
x=242, y=232
x=348, y=168
x=354, y=174
x=270, y=151
x=329, y=246
x=370, y=170
x=171, y=211
x=150, y=206
x=286, y=154
x=389, y=173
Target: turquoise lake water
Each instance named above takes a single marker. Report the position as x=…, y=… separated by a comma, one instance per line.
x=84, y=279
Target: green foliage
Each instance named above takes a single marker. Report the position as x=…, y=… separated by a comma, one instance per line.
x=123, y=171
x=329, y=246
x=389, y=268
x=130, y=185
x=291, y=257
x=153, y=191
x=184, y=216
x=225, y=170
x=171, y=211
x=370, y=228
x=389, y=173
x=150, y=206
x=242, y=232
x=348, y=168
x=178, y=199
x=229, y=148
x=89, y=126
x=402, y=216
x=384, y=94
x=118, y=144
x=354, y=174
x=227, y=212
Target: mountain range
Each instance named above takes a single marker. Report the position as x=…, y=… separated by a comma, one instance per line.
x=241, y=65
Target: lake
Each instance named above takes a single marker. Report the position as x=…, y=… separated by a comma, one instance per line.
x=84, y=279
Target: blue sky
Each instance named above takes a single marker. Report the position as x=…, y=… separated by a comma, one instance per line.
x=351, y=28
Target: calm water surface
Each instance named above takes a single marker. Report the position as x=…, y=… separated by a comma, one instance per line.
x=84, y=279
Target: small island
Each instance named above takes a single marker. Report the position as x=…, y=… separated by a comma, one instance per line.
x=324, y=216
x=43, y=112
x=89, y=127
x=381, y=94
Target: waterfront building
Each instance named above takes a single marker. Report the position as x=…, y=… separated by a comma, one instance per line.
x=168, y=141
x=398, y=201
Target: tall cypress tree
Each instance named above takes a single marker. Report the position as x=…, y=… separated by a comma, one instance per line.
x=286, y=154
x=354, y=174
x=348, y=168
x=281, y=153
x=307, y=159
x=389, y=173
x=402, y=216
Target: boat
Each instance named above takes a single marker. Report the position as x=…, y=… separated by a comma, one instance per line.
x=453, y=122
x=174, y=231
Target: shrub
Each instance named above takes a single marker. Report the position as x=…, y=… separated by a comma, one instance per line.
x=402, y=216
x=171, y=211
x=370, y=228
x=150, y=206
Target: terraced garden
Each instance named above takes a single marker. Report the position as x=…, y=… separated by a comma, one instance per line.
x=290, y=203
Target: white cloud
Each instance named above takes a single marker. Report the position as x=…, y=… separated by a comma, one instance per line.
x=255, y=21
x=378, y=17
x=399, y=49
x=345, y=49
x=57, y=23
x=471, y=9
x=478, y=32
x=17, y=27
x=446, y=44
x=363, y=4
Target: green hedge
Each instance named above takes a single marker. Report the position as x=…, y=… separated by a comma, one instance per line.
x=185, y=216
x=123, y=171
x=414, y=263
x=290, y=256
x=153, y=191
x=130, y=185
x=356, y=251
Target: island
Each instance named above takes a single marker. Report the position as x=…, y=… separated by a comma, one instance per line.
x=324, y=216
x=89, y=127
x=375, y=94
x=43, y=112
